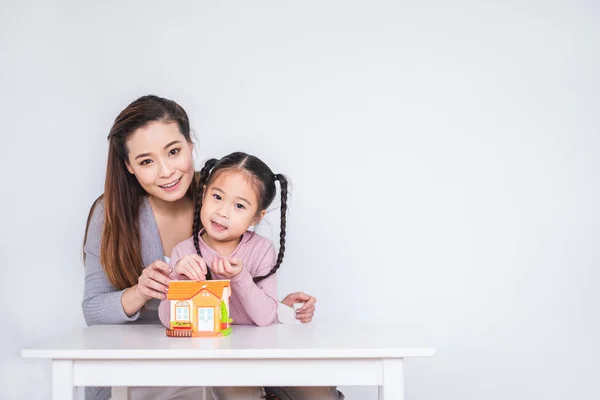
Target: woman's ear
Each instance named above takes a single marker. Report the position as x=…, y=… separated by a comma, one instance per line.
x=259, y=217
x=129, y=168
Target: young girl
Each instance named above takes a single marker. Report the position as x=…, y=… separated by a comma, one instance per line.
x=234, y=194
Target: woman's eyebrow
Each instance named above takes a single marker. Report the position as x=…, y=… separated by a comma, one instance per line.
x=166, y=147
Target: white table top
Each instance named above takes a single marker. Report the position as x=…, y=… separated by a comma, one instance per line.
x=246, y=342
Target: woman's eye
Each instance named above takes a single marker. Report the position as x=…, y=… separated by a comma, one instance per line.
x=145, y=162
x=173, y=152
x=216, y=197
x=240, y=206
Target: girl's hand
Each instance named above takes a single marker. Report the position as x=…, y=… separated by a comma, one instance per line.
x=192, y=266
x=154, y=281
x=306, y=313
x=227, y=267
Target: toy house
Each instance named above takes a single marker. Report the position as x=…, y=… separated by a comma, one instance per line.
x=199, y=309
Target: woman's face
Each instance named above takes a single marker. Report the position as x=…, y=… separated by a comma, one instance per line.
x=161, y=160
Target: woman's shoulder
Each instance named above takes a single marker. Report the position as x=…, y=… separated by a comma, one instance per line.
x=95, y=224
x=96, y=215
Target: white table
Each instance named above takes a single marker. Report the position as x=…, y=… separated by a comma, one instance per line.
x=279, y=355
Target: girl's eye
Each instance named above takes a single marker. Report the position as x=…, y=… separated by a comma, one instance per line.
x=145, y=162
x=173, y=152
x=216, y=197
x=240, y=206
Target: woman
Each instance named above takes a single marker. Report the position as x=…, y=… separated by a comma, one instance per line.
x=146, y=209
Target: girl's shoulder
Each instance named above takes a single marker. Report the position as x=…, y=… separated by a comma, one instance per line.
x=186, y=247
x=256, y=240
x=256, y=247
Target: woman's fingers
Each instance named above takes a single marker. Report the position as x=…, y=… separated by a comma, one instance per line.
x=310, y=303
x=305, y=319
x=161, y=266
x=306, y=313
x=157, y=286
x=158, y=275
x=151, y=289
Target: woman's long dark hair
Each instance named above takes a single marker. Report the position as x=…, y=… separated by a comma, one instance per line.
x=120, y=249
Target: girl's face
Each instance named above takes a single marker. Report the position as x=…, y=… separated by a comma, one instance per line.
x=161, y=160
x=229, y=206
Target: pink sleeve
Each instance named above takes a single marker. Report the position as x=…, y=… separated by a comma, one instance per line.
x=178, y=252
x=164, y=309
x=258, y=299
x=164, y=312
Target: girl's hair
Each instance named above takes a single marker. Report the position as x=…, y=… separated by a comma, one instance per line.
x=263, y=180
x=120, y=249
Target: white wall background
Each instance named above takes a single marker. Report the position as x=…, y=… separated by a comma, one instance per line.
x=444, y=157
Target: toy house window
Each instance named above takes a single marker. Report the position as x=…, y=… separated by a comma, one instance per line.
x=205, y=294
x=182, y=311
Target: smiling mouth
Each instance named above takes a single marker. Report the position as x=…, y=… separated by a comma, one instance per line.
x=218, y=226
x=170, y=185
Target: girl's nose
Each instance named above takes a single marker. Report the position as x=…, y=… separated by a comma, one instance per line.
x=223, y=214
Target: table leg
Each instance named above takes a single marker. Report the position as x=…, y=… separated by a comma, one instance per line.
x=393, y=380
x=62, y=380
x=119, y=393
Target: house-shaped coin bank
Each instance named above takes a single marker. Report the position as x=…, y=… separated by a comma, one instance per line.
x=199, y=308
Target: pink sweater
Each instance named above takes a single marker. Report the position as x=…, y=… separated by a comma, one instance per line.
x=250, y=303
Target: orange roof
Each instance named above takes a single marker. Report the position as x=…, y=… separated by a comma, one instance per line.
x=185, y=290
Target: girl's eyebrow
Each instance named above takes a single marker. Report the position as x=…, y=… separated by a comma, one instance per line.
x=166, y=147
x=237, y=197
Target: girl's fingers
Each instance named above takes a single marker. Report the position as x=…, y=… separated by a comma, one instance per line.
x=189, y=272
x=235, y=261
x=214, y=267
x=227, y=267
x=200, y=262
x=199, y=269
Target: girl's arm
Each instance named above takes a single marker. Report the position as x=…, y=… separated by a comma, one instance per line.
x=258, y=299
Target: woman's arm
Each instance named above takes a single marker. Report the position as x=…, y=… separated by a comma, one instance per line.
x=102, y=303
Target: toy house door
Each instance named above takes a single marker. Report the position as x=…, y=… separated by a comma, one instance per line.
x=206, y=319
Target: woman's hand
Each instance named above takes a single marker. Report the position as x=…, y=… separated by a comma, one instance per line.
x=192, y=266
x=227, y=267
x=154, y=281
x=307, y=311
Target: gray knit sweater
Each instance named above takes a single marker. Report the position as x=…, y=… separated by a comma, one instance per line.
x=101, y=301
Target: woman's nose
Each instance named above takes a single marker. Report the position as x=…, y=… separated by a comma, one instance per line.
x=165, y=169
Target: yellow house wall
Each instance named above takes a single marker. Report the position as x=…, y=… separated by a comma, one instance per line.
x=207, y=301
